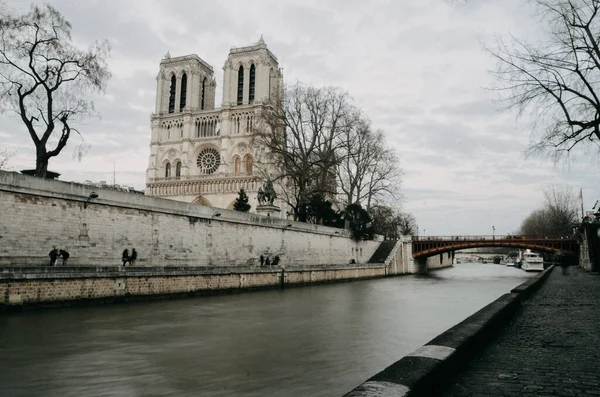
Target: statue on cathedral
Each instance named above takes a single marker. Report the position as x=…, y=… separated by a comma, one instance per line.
x=266, y=193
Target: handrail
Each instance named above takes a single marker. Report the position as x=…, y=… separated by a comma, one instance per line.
x=507, y=237
x=204, y=178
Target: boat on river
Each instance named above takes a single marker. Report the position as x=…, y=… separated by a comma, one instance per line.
x=532, y=262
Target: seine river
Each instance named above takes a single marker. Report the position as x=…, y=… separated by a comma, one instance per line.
x=312, y=341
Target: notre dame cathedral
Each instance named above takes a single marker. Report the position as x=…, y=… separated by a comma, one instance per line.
x=202, y=154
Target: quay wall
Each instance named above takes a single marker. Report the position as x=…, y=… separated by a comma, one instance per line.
x=23, y=287
x=37, y=214
x=589, y=252
x=431, y=368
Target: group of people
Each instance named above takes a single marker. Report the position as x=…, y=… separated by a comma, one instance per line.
x=266, y=261
x=129, y=258
x=55, y=253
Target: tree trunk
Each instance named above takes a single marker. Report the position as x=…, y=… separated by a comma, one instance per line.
x=41, y=165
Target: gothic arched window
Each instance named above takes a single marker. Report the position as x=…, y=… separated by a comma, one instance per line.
x=252, y=82
x=248, y=164
x=240, y=93
x=172, y=94
x=202, y=98
x=167, y=170
x=237, y=165
x=178, y=169
x=183, y=93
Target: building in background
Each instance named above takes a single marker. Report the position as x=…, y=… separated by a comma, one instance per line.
x=202, y=154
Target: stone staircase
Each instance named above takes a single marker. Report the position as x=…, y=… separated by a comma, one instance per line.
x=382, y=252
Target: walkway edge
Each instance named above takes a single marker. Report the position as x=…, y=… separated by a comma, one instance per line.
x=430, y=368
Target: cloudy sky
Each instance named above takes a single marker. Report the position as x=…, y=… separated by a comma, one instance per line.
x=416, y=67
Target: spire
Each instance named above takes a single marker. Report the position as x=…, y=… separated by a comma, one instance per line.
x=261, y=41
x=167, y=55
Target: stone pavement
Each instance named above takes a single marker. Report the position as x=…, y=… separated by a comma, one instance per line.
x=550, y=348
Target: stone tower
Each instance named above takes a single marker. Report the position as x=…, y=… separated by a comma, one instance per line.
x=199, y=153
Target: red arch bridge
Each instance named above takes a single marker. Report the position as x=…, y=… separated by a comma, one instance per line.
x=425, y=246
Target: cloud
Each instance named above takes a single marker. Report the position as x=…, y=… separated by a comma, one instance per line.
x=416, y=68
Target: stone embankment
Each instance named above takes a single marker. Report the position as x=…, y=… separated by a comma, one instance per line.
x=429, y=369
x=549, y=349
x=26, y=287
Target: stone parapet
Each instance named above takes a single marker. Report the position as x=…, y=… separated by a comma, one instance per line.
x=429, y=369
x=54, y=286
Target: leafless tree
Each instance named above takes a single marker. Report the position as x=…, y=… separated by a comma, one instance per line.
x=556, y=79
x=556, y=218
x=5, y=156
x=368, y=169
x=392, y=223
x=407, y=224
x=45, y=79
x=299, y=132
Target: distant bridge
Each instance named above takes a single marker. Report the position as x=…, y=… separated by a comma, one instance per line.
x=424, y=246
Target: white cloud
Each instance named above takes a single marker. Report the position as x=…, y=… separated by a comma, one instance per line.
x=416, y=67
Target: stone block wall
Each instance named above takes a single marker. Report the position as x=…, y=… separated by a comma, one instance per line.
x=36, y=214
x=31, y=287
x=404, y=263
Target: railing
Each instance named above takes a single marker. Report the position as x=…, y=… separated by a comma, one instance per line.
x=490, y=238
x=203, y=178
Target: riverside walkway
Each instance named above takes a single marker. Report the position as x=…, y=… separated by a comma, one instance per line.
x=550, y=348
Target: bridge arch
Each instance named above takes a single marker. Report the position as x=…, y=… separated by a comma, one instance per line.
x=423, y=246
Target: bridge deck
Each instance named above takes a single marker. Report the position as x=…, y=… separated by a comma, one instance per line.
x=423, y=246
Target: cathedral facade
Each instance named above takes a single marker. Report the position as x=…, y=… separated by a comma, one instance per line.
x=202, y=154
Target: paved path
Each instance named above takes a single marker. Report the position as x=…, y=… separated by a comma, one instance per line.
x=551, y=348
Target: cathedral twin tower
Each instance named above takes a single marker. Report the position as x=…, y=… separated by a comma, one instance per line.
x=202, y=154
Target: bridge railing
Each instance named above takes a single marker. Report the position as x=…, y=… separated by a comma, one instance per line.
x=496, y=237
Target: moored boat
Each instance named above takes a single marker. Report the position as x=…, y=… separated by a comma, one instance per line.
x=532, y=262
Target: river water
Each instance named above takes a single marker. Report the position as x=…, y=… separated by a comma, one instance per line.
x=313, y=341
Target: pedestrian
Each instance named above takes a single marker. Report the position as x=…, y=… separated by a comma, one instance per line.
x=53, y=255
x=125, y=256
x=262, y=260
x=133, y=257
x=564, y=266
x=65, y=256
x=268, y=261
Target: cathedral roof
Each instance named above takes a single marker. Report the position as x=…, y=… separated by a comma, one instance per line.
x=168, y=59
x=260, y=45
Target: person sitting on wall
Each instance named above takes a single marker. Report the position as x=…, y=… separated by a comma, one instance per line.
x=125, y=256
x=133, y=257
x=53, y=255
x=275, y=260
x=65, y=256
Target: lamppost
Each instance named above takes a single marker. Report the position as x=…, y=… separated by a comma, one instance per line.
x=493, y=232
x=215, y=214
x=93, y=195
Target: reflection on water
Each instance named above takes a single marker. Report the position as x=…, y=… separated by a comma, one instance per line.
x=317, y=341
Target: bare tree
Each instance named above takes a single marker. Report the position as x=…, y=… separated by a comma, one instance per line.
x=556, y=79
x=407, y=224
x=556, y=218
x=45, y=79
x=5, y=156
x=299, y=133
x=368, y=169
x=392, y=223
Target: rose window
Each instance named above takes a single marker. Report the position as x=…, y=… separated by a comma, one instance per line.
x=208, y=161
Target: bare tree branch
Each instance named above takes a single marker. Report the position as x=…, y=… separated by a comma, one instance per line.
x=45, y=79
x=556, y=79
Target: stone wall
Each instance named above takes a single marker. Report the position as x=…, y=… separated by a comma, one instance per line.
x=589, y=250
x=36, y=214
x=404, y=263
x=51, y=286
